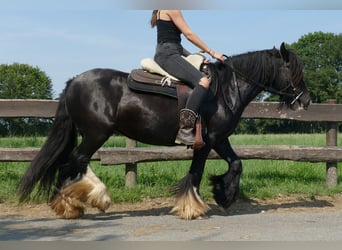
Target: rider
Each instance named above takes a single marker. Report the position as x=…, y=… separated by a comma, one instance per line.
x=170, y=25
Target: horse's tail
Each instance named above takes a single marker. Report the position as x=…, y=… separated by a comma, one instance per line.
x=61, y=140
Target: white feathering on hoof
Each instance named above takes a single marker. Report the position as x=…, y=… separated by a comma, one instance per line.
x=189, y=205
x=70, y=201
x=67, y=203
x=98, y=197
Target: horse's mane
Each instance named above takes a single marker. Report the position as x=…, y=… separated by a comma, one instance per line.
x=296, y=66
x=261, y=66
x=257, y=65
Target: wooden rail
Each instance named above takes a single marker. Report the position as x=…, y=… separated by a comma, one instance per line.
x=117, y=156
x=16, y=108
x=330, y=113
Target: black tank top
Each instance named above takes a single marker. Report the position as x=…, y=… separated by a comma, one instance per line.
x=168, y=32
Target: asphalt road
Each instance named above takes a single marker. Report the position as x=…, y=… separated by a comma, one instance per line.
x=157, y=225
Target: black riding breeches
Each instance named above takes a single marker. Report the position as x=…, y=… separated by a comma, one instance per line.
x=169, y=57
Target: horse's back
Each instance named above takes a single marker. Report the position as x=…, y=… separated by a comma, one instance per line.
x=94, y=82
x=92, y=97
x=98, y=75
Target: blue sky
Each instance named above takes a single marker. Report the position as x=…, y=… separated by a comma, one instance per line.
x=65, y=38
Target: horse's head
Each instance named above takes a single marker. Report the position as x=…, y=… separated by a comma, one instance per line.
x=289, y=82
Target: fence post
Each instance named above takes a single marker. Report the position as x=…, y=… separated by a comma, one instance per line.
x=131, y=168
x=331, y=140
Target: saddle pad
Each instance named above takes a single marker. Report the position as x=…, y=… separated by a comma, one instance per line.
x=150, y=65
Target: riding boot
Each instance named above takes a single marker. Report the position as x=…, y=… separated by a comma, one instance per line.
x=186, y=133
x=188, y=117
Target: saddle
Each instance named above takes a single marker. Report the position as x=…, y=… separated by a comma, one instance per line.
x=152, y=78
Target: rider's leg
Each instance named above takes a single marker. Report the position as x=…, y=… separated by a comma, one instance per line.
x=198, y=94
x=168, y=56
x=188, y=116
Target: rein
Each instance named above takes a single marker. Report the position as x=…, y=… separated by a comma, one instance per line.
x=268, y=88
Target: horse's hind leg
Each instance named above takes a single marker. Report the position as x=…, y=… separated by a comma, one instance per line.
x=70, y=201
x=80, y=185
x=97, y=195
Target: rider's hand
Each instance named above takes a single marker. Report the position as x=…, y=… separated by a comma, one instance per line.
x=218, y=56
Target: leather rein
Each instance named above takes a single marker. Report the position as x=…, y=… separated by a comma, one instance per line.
x=282, y=92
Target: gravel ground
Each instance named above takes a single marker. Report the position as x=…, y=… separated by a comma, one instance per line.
x=282, y=219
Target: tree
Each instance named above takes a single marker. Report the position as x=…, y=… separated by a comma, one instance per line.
x=21, y=81
x=322, y=57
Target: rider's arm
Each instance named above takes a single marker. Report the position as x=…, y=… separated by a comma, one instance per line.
x=178, y=19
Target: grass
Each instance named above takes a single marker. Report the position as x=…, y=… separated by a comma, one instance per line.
x=260, y=179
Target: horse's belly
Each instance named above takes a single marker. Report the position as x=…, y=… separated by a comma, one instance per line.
x=151, y=128
x=154, y=135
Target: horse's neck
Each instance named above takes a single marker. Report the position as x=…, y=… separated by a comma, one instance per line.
x=249, y=79
x=255, y=67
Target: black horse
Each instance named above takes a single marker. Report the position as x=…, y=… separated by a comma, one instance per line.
x=98, y=103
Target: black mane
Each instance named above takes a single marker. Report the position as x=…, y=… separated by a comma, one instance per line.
x=258, y=65
x=261, y=65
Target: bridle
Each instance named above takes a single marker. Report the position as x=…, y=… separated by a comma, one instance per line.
x=295, y=95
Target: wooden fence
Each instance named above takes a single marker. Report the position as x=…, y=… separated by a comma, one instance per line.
x=330, y=113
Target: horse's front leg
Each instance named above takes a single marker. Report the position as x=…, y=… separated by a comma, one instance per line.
x=226, y=187
x=188, y=203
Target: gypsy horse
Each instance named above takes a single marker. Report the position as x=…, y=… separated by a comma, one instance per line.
x=98, y=103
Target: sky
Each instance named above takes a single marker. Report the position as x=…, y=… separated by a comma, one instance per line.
x=65, y=38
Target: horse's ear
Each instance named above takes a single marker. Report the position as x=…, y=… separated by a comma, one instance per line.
x=284, y=52
x=275, y=51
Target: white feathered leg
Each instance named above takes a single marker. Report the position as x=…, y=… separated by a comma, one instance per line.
x=69, y=203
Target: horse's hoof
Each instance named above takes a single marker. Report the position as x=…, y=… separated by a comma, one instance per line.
x=188, y=213
x=67, y=207
x=190, y=206
x=102, y=203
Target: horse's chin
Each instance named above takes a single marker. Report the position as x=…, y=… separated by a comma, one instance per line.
x=297, y=106
x=300, y=108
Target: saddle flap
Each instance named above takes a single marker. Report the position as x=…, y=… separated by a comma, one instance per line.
x=142, y=81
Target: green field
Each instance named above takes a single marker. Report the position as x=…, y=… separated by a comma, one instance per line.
x=260, y=179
